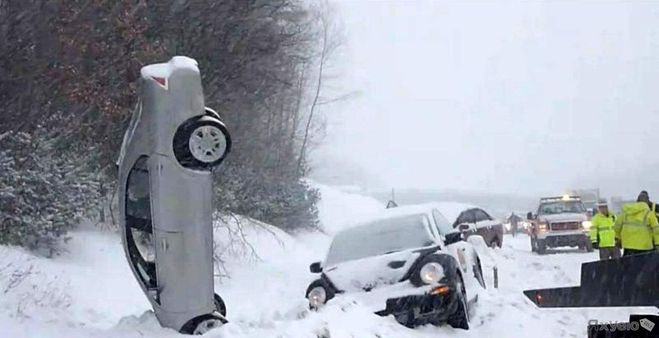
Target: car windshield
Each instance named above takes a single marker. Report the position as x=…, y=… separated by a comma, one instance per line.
x=378, y=238
x=561, y=207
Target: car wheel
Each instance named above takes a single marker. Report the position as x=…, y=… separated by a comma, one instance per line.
x=203, y=324
x=460, y=318
x=589, y=247
x=478, y=273
x=219, y=305
x=201, y=143
x=320, y=283
x=541, y=246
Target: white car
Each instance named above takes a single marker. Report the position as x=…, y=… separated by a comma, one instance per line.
x=409, y=263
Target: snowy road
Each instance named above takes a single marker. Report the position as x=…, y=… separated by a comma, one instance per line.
x=90, y=292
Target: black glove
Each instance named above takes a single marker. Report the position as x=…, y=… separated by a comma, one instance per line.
x=596, y=245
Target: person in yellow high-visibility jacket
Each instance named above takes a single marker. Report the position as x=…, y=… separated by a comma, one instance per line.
x=637, y=227
x=602, y=234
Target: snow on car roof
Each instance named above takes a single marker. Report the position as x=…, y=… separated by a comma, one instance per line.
x=164, y=70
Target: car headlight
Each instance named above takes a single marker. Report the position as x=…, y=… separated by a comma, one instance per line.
x=586, y=224
x=542, y=226
x=431, y=273
x=317, y=296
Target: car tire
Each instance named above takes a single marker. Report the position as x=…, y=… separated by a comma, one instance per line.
x=460, y=318
x=219, y=305
x=589, y=247
x=201, y=143
x=541, y=246
x=328, y=289
x=202, y=324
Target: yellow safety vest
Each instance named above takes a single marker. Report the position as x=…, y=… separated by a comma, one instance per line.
x=637, y=227
x=601, y=230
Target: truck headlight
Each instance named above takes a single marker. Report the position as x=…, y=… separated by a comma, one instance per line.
x=586, y=224
x=431, y=273
x=317, y=297
x=542, y=227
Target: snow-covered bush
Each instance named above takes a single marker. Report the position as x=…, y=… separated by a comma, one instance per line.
x=286, y=202
x=42, y=195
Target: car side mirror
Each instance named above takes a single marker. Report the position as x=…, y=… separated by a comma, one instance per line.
x=315, y=267
x=453, y=237
x=529, y=216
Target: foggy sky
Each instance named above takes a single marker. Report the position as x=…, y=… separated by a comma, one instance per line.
x=528, y=98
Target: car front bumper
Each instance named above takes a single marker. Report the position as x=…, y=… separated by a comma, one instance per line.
x=420, y=309
x=564, y=238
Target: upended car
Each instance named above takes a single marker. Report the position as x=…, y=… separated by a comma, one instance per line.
x=409, y=263
x=165, y=179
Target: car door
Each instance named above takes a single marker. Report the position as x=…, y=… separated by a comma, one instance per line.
x=483, y=223
x=461, y=249
x=465, y=221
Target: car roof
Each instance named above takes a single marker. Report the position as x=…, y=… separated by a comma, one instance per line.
x=452, y=210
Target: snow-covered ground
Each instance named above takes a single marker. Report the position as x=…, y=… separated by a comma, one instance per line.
x=89, y=292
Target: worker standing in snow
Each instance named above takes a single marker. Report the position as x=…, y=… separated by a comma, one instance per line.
x=514, y=222
x=602, y=234
x=653, y=206
x=637, y=227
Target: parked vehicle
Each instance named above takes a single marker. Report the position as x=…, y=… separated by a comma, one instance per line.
x=560, y=221
x=409, y=263
x=472, y=220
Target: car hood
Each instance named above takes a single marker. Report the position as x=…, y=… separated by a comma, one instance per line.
x=371, y=272
x=567, y=217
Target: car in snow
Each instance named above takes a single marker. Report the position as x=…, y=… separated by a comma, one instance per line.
x=560, y=221
x=408, y=263
x=472, y=220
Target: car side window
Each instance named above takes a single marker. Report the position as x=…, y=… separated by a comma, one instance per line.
x=443, y=225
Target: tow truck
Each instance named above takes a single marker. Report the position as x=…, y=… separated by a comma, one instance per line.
x=560, y=221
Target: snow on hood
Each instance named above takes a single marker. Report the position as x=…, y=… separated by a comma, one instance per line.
x=565, y=217
x=370, y=272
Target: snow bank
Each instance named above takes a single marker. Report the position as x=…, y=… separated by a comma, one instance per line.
x=344, y=207
x=90, y=292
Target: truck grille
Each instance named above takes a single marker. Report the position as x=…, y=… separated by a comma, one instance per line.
x=566, y=226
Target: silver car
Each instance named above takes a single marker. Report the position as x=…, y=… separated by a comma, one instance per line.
x=165, y=192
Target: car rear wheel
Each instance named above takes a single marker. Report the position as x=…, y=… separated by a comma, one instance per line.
x=589, y=247
x=219, y=305
x=541, y=246
x=460, y=318
x=201, y=143
x=203, y=324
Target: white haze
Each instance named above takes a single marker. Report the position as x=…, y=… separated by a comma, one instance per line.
x=511, y=97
